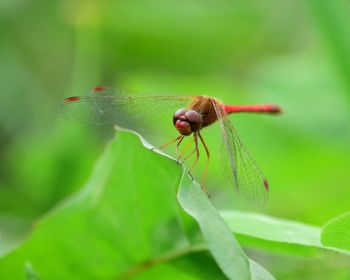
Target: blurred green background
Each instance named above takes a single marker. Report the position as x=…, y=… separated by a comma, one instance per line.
x=292, y=53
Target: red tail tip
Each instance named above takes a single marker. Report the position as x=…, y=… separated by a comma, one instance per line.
x=71, y=99
x=266, y=185
x=98, y=88
x=276, y=109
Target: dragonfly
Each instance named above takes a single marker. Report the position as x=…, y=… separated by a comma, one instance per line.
x=151, y=114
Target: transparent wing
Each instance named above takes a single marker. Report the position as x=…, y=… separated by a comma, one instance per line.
x=148, y=115
x=239, y=166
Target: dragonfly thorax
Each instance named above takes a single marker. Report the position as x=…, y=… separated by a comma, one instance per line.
x=187, y=121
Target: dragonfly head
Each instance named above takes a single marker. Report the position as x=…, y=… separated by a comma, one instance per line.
x=187, y=121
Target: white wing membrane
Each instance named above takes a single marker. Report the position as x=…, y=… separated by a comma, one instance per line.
x=239, y=166
x=145, y=114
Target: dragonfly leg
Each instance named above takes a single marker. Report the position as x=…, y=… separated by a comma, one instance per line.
x=178, y=143
x=177, y=149
x=183, y=152
x=168, y=143
x=195, y=137
x=204, y=176
x=188, y=156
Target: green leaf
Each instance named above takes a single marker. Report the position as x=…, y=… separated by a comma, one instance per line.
x=220, y=241
x=275, y=234
x=258, y=272
x=336, y=233
x=126, y=222
x=261, y=231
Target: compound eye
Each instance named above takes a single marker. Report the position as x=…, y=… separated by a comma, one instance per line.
x=178, y=114
x=193, y=116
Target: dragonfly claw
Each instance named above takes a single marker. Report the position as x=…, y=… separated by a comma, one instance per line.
x=189, y=174
x=202, y=187
x=205, y=191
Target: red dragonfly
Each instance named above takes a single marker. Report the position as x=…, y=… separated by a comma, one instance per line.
x=109, y=106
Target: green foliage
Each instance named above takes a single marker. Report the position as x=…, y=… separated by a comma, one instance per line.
x=118, y=227
x=220, y=241
x=280, y=235
x=272, y=233
x=158, y=238
x=336, y=233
